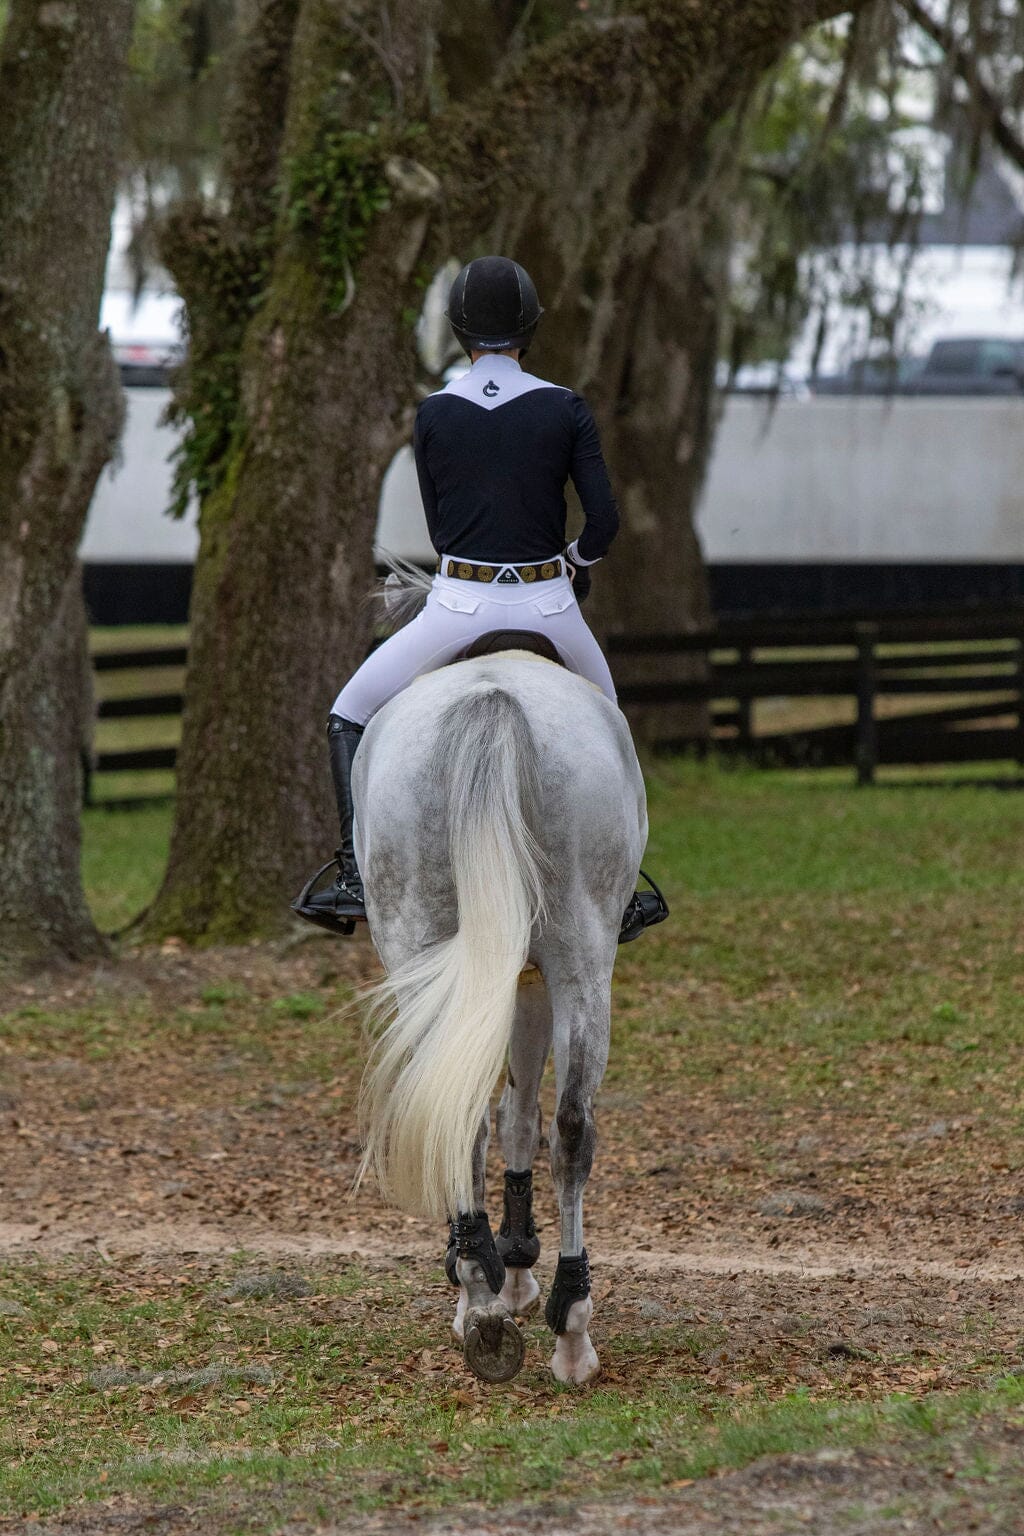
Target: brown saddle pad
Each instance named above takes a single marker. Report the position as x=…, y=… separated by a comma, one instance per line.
x=512, y=640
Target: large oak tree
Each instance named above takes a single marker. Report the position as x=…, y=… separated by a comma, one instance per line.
x=61, y=69
x=364, y=145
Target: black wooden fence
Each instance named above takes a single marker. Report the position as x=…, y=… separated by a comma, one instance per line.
x=973, y=661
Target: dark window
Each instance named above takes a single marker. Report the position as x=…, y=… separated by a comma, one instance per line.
x=954, y=357
x=998, y=357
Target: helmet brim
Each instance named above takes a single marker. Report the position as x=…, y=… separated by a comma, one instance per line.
x=470, y=343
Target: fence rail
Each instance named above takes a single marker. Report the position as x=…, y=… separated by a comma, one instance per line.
x=968, y=655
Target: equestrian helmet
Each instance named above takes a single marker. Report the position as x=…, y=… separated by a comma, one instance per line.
x=493, y=305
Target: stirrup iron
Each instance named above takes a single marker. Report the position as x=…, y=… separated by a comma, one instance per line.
x=645, y=910
x=322, y=918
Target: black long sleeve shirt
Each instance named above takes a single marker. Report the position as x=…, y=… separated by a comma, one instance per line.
x=493, y=453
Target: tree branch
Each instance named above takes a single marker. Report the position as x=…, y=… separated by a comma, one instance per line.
x=256, y=113
x=1003, y=132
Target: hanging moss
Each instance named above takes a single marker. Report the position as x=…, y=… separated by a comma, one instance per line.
x=224, y=279
x=333, y=194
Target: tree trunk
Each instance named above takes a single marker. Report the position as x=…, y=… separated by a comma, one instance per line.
x=326, y=373
x=61, y=69
x=302, y=365
x=660, y=429
x=650, y=379
x=639, y=293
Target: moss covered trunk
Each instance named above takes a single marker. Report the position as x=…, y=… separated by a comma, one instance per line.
x=324, y=377
x=61, y=67
x=650, y=378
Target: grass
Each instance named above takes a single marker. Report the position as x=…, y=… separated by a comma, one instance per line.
x=123, y=857
x=161, y=1382
x=845, y=937
x=829, y=943
x=729, y=832
x=723, y=831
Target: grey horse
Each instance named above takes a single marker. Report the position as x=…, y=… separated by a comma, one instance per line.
x=500, y=822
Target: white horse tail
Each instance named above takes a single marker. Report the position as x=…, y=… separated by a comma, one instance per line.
x=400, y=596
x=448, y=1013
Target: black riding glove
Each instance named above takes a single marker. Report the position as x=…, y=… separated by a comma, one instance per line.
x=580, y=577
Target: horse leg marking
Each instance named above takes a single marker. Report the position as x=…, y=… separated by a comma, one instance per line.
x=519, y=1119
x=575, y=1358
x=521, y=1293
x=582, y=1014
x=519, y=1109
x=483, y=1137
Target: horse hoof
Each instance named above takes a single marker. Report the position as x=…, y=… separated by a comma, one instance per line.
x=494, y=1349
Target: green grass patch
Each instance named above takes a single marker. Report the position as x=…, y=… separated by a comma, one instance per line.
x=717, y=829
x=123, y=858
x=166, y=1382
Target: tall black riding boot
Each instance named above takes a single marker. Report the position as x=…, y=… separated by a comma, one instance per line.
x=341, y=904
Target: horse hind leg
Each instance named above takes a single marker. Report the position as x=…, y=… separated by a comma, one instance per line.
x=451, y=1257
x=493, y=1347
x=519, y=1131
x=582, y=1028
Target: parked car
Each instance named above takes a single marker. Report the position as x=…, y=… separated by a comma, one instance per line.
x=869, y=376
x=956, y=365
x=972, y=365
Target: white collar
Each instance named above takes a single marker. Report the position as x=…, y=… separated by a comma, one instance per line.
x=496, y=359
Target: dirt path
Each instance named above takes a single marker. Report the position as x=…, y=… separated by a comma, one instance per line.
x=823, y=1244
x=820, y=1262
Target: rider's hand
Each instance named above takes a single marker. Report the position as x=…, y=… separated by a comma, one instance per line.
x=579, y=575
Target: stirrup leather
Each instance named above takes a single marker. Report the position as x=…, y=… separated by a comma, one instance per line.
x=645, y=910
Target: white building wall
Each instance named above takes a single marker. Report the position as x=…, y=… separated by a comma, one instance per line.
x=847, y=478
x=826, y=480
x=127, y=520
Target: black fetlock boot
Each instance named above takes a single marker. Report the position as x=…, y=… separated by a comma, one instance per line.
x=341, y=905
x=517, y=1239
x=646, y=909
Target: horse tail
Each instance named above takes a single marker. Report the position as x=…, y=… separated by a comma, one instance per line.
x=396, y=599
x=447, y=1014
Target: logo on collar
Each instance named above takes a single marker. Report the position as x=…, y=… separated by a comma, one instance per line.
x=490, y=389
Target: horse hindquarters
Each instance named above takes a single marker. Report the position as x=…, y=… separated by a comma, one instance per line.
x=449, y=1010
x=441, y=758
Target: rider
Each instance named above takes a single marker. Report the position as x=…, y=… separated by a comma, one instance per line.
x=493, y=452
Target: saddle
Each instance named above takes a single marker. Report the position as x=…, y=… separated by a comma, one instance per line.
x=496, y=640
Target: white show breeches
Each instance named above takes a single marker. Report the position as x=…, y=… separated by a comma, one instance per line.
x=456, y=613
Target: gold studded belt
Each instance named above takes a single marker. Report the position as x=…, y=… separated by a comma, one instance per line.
x=503, y=575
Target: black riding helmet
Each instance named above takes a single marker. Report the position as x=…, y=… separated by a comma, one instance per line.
x=493, y=305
